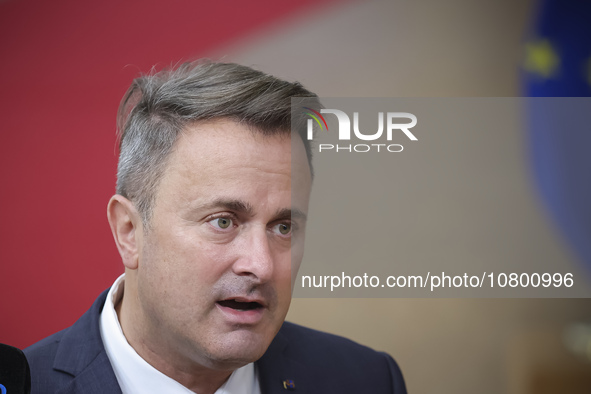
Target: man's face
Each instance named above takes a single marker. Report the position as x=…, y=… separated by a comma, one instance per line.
x=214, y=273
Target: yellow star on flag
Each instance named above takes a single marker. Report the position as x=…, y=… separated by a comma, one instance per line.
x=541, y=58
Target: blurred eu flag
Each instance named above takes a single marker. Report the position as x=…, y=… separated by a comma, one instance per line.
x=557, y=63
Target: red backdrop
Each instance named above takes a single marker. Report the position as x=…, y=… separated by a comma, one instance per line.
x=64, y=67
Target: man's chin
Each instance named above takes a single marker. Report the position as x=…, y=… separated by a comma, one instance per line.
x=238, y=348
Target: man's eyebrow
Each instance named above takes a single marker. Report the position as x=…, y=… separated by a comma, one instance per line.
x=230, y=205
x=246, y=208
x=293, y=213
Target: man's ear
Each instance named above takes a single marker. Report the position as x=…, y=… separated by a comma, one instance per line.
x=126, y=226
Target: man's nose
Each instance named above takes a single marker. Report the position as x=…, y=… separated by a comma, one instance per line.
x=256, y=257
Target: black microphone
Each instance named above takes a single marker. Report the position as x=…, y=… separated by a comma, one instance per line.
x=15, y=376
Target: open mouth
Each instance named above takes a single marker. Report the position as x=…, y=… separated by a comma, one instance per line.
x=239, y=305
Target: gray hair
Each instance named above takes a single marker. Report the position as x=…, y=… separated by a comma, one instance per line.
x=157, y=108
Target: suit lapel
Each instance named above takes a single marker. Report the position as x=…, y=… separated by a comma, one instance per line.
x=96, y=378
x=276, y=367
x=81, y=353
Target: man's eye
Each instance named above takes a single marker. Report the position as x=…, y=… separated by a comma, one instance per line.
x=222, y=223
x=283, y=228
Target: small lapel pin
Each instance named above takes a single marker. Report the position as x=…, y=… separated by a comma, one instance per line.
x=289, y=384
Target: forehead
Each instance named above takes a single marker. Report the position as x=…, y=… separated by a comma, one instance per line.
x=230, y=156
x=224, y=146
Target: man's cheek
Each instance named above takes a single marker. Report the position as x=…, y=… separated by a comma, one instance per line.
x=214, y=261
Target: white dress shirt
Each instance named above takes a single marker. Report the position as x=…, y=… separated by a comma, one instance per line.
x=135, y=375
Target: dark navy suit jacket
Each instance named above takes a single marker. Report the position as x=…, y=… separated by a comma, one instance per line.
x=74, y=361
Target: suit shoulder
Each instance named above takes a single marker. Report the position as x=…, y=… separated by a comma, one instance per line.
x=45, y=348
x=41, y=357
x=301, y=336
x=335, y=356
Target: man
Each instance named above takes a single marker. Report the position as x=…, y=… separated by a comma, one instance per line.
x=209, y=219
